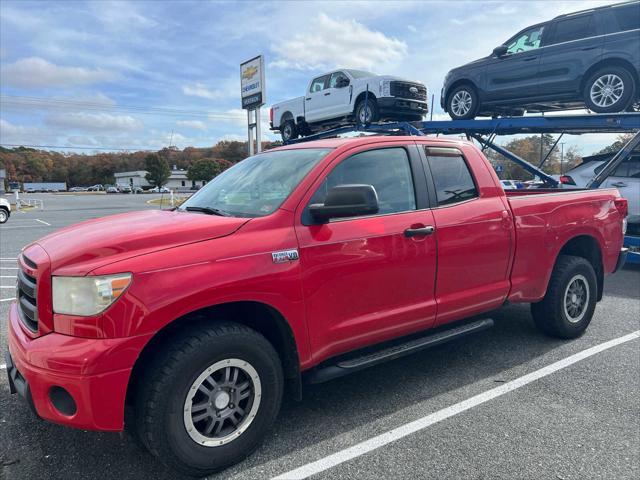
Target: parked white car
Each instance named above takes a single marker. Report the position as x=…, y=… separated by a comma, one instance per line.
x=5, y=210
x=344, y=96
x=626, y=178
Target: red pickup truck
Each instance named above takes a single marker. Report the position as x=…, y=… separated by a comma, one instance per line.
x=302, y=263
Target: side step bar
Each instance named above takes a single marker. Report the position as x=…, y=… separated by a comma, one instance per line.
x=347, y=366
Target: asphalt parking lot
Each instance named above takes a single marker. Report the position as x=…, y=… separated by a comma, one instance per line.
x=580, y=422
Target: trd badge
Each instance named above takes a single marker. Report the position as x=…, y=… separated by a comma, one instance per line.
x=285, y=256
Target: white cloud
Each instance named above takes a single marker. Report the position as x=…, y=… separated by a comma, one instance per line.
x=328, y=43
x=225, y=89
x=93, y=122
x=38, y=72
x=195, y=124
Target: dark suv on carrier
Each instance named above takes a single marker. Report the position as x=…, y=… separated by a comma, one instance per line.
x=589, y=58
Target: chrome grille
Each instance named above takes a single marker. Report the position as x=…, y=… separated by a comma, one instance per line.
x=403, y=90
x=27, y=295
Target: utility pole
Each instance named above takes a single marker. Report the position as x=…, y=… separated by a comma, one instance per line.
x=561, y=157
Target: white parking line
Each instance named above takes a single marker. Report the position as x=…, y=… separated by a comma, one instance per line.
x=7, y=299
x=8, y=276
x=397, y=433
x=5, y=259
x=8, y=268
x=42, y=221
x=3, y=366
x=2, y=286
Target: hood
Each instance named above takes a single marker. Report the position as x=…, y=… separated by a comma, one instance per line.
x=81, y=248
x=399, y=79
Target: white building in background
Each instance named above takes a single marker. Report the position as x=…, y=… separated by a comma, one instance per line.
x=178, y=180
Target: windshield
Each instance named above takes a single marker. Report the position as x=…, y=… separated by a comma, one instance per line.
x=360, y=73
x=257, y=185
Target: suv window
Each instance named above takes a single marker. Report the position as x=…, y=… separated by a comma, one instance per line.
x=527, y=40
x=628, y=168
x=335, y=79
x=387, y=169
x=452, y=179
x=318, y=84
x=628, y=17
x=574, y=28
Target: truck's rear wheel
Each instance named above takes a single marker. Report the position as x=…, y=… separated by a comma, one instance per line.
x=567, y=308
x=288, y=131
x=210, y=399
x=4, y=215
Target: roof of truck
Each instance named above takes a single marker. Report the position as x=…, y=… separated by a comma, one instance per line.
x=339, y=142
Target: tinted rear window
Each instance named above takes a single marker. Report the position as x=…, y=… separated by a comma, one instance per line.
x=575, y=29
x=452, y=178
x=628, y=17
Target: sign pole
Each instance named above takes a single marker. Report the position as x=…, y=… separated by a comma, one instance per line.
x=252, y=94
x=250, y=132
x=258, y=132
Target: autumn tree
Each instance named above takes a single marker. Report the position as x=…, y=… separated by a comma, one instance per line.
x=206, y=169
x=157, y=168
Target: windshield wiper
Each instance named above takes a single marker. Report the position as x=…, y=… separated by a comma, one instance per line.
x=208, y=211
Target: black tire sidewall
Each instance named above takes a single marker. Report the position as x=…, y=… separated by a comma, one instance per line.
x=258, y=354
x=550, y=315
x=4, y=215
x=373, y=106
x=623, y=103
x=474, y=103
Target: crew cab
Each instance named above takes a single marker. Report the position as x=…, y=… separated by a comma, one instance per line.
x=299, y=264
x=347, y=96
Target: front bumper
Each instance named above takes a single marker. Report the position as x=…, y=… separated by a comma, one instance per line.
x=393, y=105
x=93, y=372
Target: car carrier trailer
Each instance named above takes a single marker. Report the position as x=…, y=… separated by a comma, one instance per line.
x=485, y=132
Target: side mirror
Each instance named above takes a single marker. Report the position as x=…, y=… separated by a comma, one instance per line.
x=342, y=82
x=500, y=51
x=346, y=201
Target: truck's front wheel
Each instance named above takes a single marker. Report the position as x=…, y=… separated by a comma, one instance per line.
x=288, y=131
x=567, y=308
x=210, y=399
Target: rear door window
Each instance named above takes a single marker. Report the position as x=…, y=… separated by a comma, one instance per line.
x=451, y=176
x=574, y=28
x=627, y=17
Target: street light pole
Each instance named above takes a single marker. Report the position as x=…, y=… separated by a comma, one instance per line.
x=561, y=157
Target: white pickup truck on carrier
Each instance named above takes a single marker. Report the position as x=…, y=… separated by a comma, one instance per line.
x=347, y=96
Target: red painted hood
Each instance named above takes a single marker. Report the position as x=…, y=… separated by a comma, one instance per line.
x=81, y=248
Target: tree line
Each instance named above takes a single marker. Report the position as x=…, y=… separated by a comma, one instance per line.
x=24, y=164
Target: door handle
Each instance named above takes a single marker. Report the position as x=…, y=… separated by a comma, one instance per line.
x=588, y=48
x=308, y=98
x=416, y=232
x=328, y=93
x=528, y=59
x=619, y=184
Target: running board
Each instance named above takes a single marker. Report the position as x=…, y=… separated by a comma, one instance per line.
x=345, y=367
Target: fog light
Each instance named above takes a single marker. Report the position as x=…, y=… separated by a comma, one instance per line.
x=63, y=401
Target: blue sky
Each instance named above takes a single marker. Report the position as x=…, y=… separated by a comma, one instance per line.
x=118, y=74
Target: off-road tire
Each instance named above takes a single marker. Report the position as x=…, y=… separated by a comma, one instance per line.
x=550, y=314
x=160, y=399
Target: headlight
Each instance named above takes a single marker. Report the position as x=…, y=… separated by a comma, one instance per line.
x=385, y=88
x=86, y=296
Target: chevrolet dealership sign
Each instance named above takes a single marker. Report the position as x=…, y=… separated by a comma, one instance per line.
x=252, y=83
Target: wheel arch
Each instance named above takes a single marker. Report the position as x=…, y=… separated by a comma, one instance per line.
x=587, y=247
x=258, y=316
x=609, y=62
x=361, y=96
x=285, y=117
